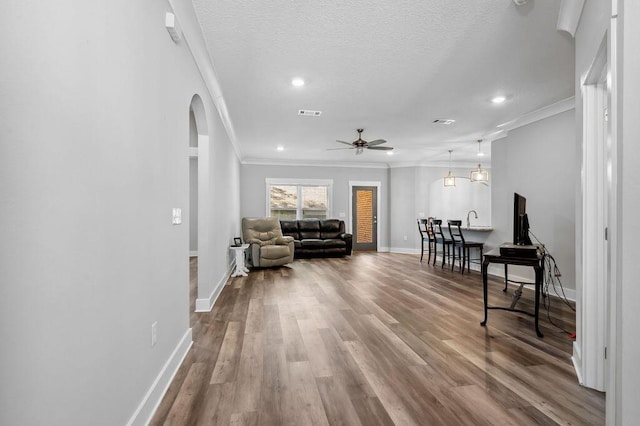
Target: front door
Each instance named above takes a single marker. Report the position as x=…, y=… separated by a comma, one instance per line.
x=365, y=218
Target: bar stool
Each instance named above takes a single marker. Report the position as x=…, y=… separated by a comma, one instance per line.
x=426, y=236
x=463, y=246
x=441, y=239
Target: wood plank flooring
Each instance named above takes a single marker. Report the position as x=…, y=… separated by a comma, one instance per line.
x=375, y=338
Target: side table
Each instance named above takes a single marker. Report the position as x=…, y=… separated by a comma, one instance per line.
x=240, y=269
x=537, y=263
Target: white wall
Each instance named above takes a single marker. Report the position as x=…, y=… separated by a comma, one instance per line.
x=253, y=189
x=418, y=191
x=628, y=374
x=402, y=205
x=193, y=205
x=95, y=130
x=539, y=162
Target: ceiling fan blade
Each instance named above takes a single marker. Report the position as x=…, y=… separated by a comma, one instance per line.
x=346, y=143
x=335, y=149
x=381, y=148
x=377, y=142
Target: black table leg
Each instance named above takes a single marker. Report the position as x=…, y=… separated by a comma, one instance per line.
x=537, y=300
x=485, y=266
x=506, y=279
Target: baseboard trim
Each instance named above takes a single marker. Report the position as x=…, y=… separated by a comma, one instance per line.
x=576, y=359
x=498, y=272
x=383, y=249
x=402, y=250
x=158, y=389
x=206, y=304
x=193, y=254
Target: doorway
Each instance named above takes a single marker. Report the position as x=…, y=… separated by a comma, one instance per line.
x=193, y=211
x=364, y=202
x=595, y=340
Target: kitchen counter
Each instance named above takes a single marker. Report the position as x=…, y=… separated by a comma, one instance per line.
x=478, y=228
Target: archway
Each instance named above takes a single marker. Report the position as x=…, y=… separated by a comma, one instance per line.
x=198, y=186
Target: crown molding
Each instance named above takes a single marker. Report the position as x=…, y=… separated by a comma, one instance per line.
x=440, y=165
x=531, y=117
x=186, y=17
x=310, y=163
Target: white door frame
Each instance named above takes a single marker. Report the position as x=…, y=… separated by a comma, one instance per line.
x=381, y=217
x=613, y=302
x=596, y=323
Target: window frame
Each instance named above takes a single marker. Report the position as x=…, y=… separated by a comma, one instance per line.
x=299, y=183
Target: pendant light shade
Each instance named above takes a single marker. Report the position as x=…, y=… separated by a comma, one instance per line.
x=450, y=179
x=479, y=174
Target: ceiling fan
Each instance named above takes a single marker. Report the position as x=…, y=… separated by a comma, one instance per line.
x=360, y=144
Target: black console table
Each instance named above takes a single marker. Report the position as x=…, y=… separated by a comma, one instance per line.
x=536, y=263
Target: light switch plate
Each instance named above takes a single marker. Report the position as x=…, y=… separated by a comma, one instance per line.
x=341, y=214
x=177, y=216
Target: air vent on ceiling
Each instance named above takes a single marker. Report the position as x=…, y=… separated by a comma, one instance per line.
x=444, y=121
x=308, y=113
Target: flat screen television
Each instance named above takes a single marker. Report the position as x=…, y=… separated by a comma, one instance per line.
x=520, y=221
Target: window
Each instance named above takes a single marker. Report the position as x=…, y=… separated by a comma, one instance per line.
x=290, y=199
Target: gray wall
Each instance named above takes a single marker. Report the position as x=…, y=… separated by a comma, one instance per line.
x=538, y=161
x=193, y=205
x=95, y=130
x=253, y=189
x=411, y=197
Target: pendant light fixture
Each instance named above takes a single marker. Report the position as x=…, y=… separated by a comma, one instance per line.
x=479, y=174
x=450, y=179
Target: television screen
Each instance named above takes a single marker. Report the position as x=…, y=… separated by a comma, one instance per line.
x=520, y=221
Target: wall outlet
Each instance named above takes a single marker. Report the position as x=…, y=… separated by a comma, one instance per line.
x=176, y=214
x=342, y=214
x=154, y=333
x=421, y=214
x=405, y=238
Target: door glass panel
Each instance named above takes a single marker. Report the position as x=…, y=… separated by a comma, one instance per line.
x=364, y=202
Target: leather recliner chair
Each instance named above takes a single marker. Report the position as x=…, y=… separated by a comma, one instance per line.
x=267, y=245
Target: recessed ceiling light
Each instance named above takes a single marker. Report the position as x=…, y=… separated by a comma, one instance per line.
x=498, y=99
x=280, y=148
x=389, y=152
x=297, y=82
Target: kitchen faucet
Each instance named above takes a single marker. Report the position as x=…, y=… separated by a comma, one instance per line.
x=468, y=222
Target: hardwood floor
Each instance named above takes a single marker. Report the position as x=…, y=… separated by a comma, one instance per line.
x=375, y=338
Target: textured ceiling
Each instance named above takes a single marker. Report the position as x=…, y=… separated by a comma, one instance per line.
x=390, y=67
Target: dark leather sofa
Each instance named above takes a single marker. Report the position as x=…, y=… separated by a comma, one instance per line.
x=318, y=237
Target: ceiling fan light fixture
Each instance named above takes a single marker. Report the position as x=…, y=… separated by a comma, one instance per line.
x=360, y=144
